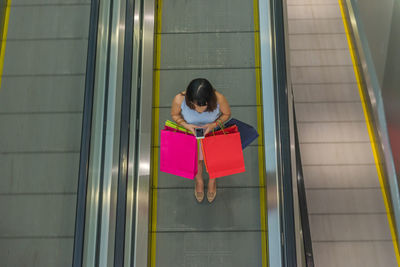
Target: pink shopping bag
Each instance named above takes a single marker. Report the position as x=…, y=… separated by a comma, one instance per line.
x=178, y=153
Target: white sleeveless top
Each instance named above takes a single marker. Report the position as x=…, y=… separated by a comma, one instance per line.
x=191, y=116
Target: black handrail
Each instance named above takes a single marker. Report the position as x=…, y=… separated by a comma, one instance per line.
x=305, y=225
x=283, y=129
x=85, y=138
x=282, y=107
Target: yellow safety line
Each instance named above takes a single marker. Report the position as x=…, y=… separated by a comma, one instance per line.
x=156, y=115
x=371, y=135
x=260, y=128
x=4, y=38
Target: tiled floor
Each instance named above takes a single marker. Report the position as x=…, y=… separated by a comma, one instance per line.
x=349, y=225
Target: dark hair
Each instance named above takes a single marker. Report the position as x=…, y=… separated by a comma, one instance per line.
x=201, y=93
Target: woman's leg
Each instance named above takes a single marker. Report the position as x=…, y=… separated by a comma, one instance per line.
x=212, y=185
x=211, y=189
x=199, y=183
x=199, y=177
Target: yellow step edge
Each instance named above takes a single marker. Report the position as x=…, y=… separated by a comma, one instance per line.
x=155, y=134
x=4, y=38
x=260, y=129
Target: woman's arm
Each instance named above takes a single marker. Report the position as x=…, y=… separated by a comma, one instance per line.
x=224, y=108
x=176, y=113
x=225, y=113
x=176, y=109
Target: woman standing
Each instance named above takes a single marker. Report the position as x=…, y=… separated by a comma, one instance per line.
x=201, y=106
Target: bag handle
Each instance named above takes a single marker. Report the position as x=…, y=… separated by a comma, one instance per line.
x=220, y=125
x=175, y=127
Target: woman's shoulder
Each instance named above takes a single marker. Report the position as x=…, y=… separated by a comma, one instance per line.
x=178, y=99
x=220, y=97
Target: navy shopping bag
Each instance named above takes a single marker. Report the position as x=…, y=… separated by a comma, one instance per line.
x=247, y=133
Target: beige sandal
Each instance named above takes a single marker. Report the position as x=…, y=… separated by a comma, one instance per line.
x=198, y=195
x=211, y=196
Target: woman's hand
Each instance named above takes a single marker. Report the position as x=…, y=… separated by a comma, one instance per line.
x=191, y=127
x=209, y=127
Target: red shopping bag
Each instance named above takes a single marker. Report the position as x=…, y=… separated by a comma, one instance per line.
x=228, y=130
x=178, y=153
x=223, y=154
